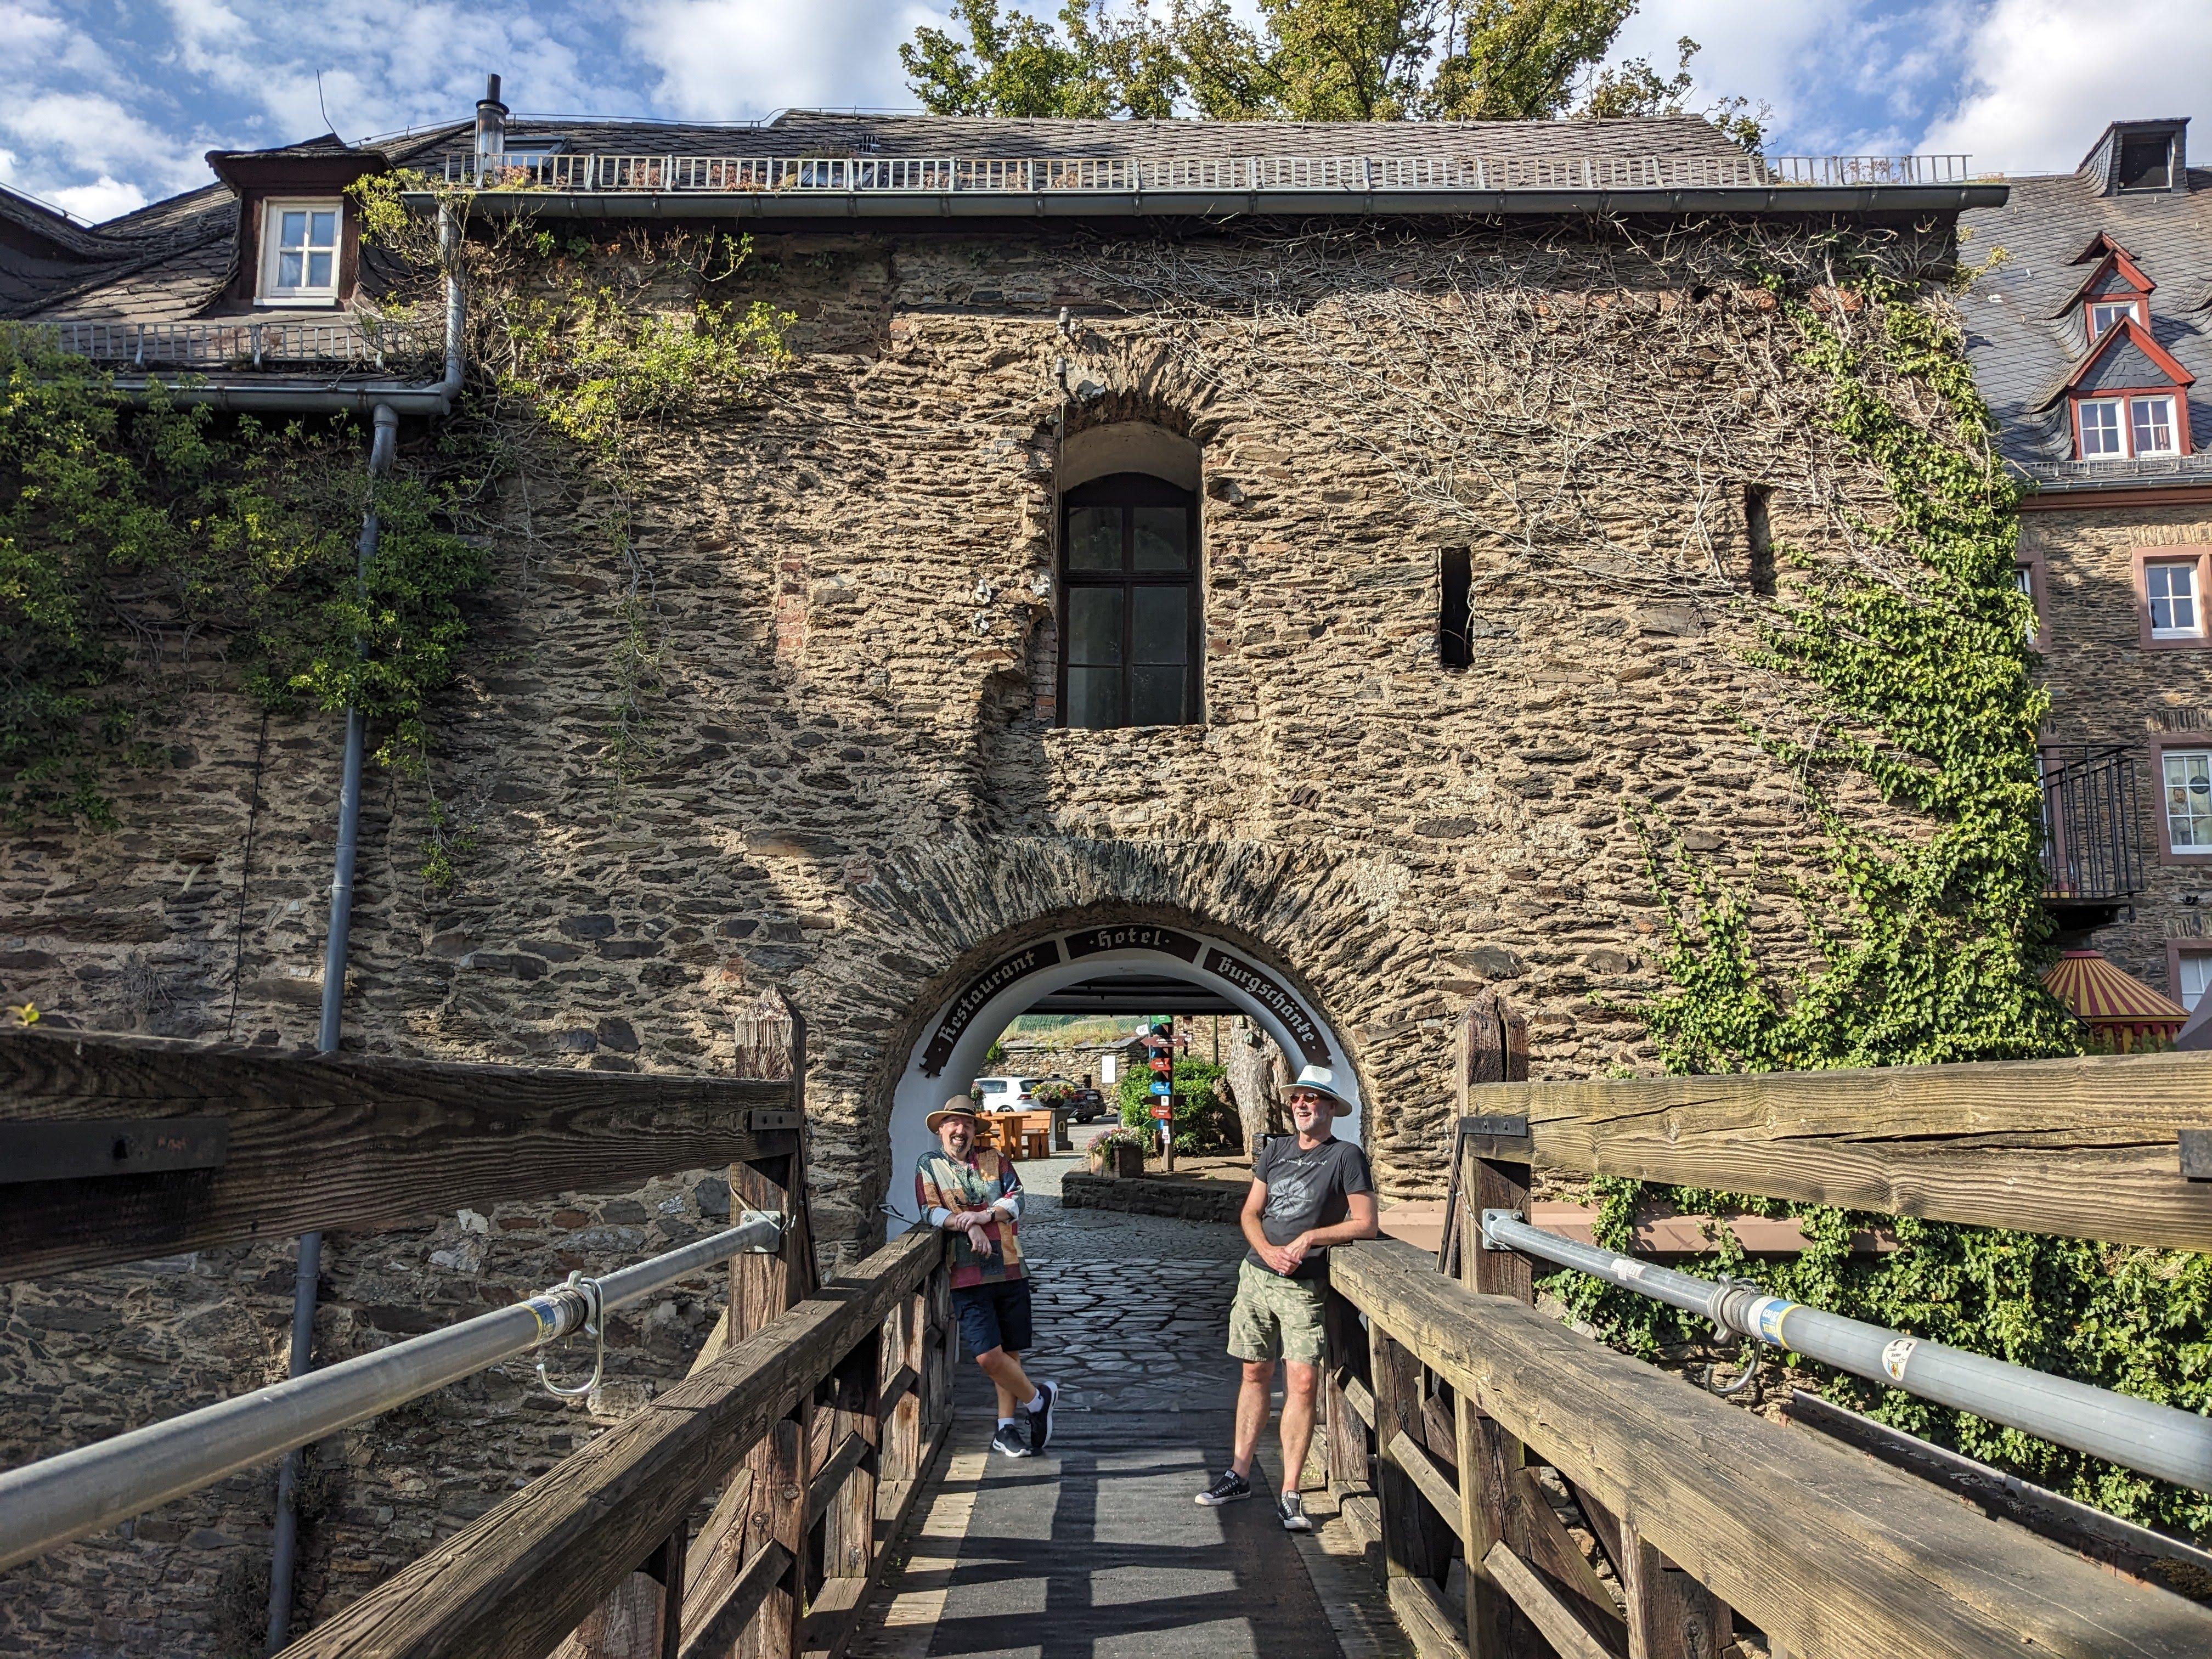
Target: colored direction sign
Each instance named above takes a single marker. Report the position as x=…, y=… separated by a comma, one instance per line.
x=1161, y=1087
x=1163, y=1109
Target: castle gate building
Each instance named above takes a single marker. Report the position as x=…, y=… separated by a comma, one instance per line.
x=1316, y=564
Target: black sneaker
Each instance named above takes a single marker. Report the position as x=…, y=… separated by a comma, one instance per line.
x=1012, y=1439
x=1226, y=1489
x=1292, y=1509
x=1040, y=1418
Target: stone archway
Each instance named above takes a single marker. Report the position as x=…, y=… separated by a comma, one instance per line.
x=946, y=1056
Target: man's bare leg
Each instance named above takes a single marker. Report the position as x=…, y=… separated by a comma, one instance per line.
x=1007, y=1376
x=1252, y=1412
x=1301, y=1385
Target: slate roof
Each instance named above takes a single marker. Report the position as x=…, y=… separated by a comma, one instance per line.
x=818, y=133
x=2024, y=343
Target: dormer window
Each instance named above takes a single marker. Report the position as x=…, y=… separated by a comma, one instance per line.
x=300, y=251
x=2147, y=162
x=2118, y=428
x=2151, y=425
x=2104, y=314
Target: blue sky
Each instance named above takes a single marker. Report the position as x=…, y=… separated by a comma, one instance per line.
x=112, y=104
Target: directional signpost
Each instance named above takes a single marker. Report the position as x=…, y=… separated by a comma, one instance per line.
x=1162, y=1058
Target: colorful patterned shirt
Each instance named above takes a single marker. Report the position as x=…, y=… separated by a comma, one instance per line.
x=985, y=1181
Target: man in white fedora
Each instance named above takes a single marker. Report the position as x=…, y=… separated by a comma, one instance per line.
x=1310, y=1192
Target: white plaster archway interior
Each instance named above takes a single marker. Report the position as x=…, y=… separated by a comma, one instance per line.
x=948, y=1056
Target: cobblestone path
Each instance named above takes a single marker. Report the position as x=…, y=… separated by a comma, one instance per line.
x=1095, y=1550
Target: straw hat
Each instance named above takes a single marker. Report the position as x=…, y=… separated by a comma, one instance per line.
x=960, y=1107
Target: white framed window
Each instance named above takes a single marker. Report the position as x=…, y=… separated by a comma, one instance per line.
x=2152, y=425
x=2105, y=314
x=2194, y=976
x=300, y=251
x=2188, y=799
x=2023, y=581
x=2103, y=438
x=2171, y=587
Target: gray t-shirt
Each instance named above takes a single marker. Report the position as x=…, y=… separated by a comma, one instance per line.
x=1306, y=1190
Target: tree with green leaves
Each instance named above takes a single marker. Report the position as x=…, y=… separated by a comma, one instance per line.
x=1308, y=60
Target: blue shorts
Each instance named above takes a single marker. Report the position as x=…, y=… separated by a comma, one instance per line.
x=993, y=1315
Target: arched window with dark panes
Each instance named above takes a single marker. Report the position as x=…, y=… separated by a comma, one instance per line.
x=1130, y=629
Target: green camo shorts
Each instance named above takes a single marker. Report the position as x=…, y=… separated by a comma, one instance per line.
x=1276, y=1318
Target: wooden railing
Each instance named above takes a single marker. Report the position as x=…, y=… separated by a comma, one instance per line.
x=816, y=1430
x=811, y=1417
x=1437, y=1414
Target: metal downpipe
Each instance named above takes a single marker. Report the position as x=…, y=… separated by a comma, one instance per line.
x=284, y=1545
x=2138, y=1434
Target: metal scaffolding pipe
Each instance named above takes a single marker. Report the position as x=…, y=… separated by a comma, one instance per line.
x=2156, y=1440
x=50, y=1501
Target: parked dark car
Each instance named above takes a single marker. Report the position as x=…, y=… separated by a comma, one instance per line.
x=1085, y=1106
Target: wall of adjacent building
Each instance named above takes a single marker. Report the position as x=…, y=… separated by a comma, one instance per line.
x=2108, y=688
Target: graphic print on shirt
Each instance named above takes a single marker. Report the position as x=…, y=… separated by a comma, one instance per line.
x=1294, y=1191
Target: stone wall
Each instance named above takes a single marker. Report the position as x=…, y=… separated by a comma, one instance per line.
x=854, y=790
x=2108, y=688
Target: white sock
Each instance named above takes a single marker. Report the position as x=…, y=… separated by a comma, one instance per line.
x=1006, y=1422
x=1035, y=1402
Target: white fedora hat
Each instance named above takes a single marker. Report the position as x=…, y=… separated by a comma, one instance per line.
x=1322, y=1079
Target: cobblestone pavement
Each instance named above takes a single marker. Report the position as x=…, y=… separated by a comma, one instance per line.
x=1096, y=1551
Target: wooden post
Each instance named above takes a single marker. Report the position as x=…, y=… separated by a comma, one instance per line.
x=780, y=1472
x=1670, y=1615
x=849, y=1525
x=1493, y=1049
x=1345, y=1435
x=1416, y=1539
x=939, y=1336
x=898, y=1454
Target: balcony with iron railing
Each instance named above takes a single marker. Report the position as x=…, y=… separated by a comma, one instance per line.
x=352, y=343
x=2091, y=855
x=618, y=175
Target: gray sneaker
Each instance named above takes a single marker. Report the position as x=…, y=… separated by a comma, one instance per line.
x=1013, y=1438
x=1293, y=1510
x=1228, y=1488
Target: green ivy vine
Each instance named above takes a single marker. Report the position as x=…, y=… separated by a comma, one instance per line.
x=133, y=533
x=1927, y=945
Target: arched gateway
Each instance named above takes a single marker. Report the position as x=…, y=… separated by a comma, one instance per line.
x=947, y=1056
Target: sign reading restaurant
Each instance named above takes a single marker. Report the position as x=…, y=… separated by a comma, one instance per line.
x=985, y=986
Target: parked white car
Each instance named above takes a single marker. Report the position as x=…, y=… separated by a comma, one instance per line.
x=1008, y=1094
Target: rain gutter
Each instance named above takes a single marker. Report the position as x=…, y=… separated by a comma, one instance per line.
x=1758, y=200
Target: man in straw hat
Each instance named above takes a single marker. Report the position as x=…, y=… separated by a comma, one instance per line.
x=976, y=1195
x=1309, y=1191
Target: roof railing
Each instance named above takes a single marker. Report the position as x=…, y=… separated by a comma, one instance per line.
x=353, y=340
x=733, y=175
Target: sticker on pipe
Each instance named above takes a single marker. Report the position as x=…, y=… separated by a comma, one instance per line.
x=1895, y=1356
x=1765, y=1315
x=1628, y=1272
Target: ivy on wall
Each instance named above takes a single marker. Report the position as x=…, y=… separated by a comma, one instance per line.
x=130, y=534
x=1928, y=946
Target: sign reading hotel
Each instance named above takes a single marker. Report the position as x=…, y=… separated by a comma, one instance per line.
x=1255, y=983
x=980, y=991
x=1133, y=937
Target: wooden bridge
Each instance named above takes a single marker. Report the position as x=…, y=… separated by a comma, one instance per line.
x=1527, y=1491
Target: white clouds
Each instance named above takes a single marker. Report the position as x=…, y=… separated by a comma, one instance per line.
x=739, y=59
x=2046, y=75
x=95, y=133
x=106, y=199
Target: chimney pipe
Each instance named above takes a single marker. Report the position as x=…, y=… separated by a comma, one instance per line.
x=491, y=126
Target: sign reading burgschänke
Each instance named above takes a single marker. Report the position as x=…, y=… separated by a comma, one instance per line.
x=1258, y=985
